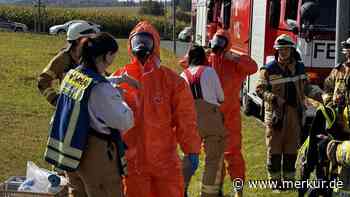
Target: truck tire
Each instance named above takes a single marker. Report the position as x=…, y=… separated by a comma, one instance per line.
x=18, y=29
x=247, y=105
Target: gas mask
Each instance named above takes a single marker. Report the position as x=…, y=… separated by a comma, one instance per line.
x=218, y=44
x=142, y=45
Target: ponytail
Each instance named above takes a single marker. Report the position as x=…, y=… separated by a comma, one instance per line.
x=97, y=46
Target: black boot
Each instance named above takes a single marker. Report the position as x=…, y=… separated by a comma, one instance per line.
x=221, y=194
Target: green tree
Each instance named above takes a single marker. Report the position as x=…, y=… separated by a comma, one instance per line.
x=152, y=8
x=184, y=5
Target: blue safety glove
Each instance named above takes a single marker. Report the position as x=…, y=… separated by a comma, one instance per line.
x=194, y=159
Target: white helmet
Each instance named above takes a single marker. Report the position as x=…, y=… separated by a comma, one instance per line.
x=78, y=30
x=346, y=46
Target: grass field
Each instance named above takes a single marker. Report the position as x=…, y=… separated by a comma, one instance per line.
x=24, y=113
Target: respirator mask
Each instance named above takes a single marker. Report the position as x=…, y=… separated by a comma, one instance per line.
x=142, y=45
x=218, y=44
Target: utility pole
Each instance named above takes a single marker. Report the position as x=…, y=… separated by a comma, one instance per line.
x=37, y=16
x=342, y=27
x=174, y=26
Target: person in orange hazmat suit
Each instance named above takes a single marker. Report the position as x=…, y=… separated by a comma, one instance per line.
x=232, y=68
x=164, y=117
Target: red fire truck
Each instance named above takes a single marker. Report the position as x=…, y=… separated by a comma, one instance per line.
x=255, y=24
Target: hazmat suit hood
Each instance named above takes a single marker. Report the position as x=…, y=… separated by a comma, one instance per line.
x=153, y=60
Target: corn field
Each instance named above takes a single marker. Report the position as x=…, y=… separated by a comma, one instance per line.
x=118, y=21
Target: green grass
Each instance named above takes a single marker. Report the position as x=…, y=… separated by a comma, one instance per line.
x=24, y=113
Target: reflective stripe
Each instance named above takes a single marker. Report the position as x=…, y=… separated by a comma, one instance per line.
x=48, y=92
x=210, y=189
x=329, y=121
x=65, y=148
x=268, y=96
x=72, y=124
x=287, y=79
x=51, y=73
x=125, y=171
x=268, y=113
x=61, y=159
x=338, y=154
x=218, y=177
x=343, y=153
x=124, y=162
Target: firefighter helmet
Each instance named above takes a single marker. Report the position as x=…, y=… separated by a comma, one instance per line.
x=346, y=46
x=78, y=30
x=283, y=41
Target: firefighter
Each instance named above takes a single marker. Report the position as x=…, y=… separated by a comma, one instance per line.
x=84, y=135
x=232, y=69
x=312, y=156
x=208, y=94
x=282, y=86
x=336, y=85
x=68, y=58
x=164, y=117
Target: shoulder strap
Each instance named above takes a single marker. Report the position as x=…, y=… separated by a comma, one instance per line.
x=194, y=77
x=199, y=72
x=189, y=76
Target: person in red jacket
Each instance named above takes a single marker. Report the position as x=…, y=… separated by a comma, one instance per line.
x=232, y=69
x=164, y=117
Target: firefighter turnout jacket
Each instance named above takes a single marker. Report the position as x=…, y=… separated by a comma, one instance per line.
x=275, y=82
x=55, y=70
x=336, y=92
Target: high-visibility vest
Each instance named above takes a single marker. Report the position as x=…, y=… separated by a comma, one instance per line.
x=70, y=126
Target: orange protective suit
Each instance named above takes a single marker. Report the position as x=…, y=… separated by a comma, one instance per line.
x=163, y=102
x=232, y=68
